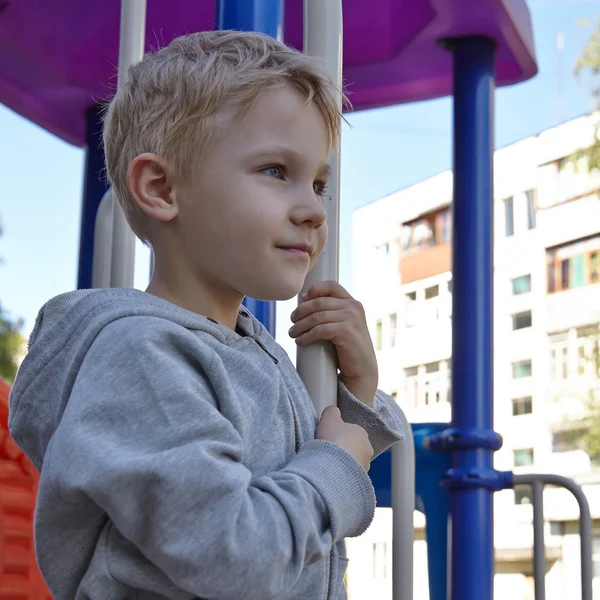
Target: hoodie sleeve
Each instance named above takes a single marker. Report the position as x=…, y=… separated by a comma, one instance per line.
x=143, y=438
x=382, y=421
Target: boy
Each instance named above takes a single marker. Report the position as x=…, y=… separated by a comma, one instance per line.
x=180, y=454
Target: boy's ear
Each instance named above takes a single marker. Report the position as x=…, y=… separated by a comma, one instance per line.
x=150, y=183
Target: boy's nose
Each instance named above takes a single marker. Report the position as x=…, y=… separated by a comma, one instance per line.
x=309, y=210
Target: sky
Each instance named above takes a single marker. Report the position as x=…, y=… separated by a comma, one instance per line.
x=384, y=150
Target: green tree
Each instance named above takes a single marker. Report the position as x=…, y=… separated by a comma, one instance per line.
x=588, y=65
x=585, y=432
x=11, y=342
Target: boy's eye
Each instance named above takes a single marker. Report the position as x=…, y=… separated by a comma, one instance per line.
x=320, y=187
x=276, y=172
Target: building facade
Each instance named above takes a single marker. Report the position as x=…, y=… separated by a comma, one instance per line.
x=546, y=352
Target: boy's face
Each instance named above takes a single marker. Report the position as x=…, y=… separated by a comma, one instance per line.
x=252, y=222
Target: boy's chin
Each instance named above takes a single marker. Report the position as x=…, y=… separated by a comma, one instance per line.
x=279, y=294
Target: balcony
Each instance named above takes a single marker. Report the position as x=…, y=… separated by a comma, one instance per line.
x=427, y=247
x=431, y=261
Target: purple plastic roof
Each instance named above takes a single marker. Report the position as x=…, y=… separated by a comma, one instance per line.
x=58, y=56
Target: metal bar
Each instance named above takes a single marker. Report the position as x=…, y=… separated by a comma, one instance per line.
x=94, y=188
x=585, y=522
x=265, y=16
x=131, y=50
x=539, y=547
x=403, y=507
x=317, y=363
x=472, y=337
x=103, y=241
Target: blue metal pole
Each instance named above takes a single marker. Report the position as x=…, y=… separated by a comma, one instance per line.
x=265, y=16
x=472, y=346
x=94, y=188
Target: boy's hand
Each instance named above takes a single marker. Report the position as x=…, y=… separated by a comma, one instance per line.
x=352, y=438
x=329, y=312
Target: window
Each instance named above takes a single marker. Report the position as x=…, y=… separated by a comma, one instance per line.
x=432, y=305
x=380, y=560
x=523, y=494
x=378, y=335
x=522, y=406
x=393, y=328
x=521, y=369
x=411, y=385
x=521, y=285
x=427, y=231
x=523, y=457
x=432, y=292
x=573, y=265
x=432, y=383
x=521, y=320
x=531, y=209
x=559, y=356
x=410, y=304
x=509, y=217
x=596, y=556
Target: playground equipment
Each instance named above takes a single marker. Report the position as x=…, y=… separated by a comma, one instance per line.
x=394, y=51
x=19, y=575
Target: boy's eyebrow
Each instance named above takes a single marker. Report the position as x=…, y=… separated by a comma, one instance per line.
x=288, y=153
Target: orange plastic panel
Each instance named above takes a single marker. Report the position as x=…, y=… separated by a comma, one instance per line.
x=20, y=578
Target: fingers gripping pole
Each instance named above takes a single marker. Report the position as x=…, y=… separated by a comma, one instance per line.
x=317, y=363
x=131, y=51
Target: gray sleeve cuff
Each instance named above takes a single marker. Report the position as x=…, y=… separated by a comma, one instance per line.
x=381, y=421
x=343, y=484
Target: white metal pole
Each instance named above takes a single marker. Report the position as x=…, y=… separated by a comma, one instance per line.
x=103, y=235
x=317, y=363
x=131, y=51
x=403, y=508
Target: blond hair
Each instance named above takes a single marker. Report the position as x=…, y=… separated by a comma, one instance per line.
x=171, y=103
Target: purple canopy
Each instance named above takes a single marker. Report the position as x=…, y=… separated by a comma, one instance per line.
x=58, y=56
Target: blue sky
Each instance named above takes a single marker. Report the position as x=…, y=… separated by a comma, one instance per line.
x=385, y=150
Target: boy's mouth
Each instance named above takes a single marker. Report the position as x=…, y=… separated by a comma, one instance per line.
x=299, y=249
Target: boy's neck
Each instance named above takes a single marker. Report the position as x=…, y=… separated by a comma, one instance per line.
x=196, y=297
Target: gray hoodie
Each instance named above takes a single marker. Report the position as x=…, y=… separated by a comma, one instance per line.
x=178, y=458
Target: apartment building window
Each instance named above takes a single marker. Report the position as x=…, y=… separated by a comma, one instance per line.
x=521, y=285
x=410, y=313
x=411, y=385
x=393, y=329
x=573, y=265
x=531, y=209
x=521, y=369
x=380, y=560
x=433, y=383
x=588, y=351
x=523, y=494
x=575, y=355
x=427, y=231
x=509, y=217
x=521, y=320
x=432, y=292
x=523, y=457
x=559, y=362
x=522, y=406
x=596, y=555
x=378, y=335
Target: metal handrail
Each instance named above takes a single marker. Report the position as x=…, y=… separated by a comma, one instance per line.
x=537, y=481
x=403, y=507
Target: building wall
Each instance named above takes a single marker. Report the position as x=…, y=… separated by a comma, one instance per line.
x=402, y=274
